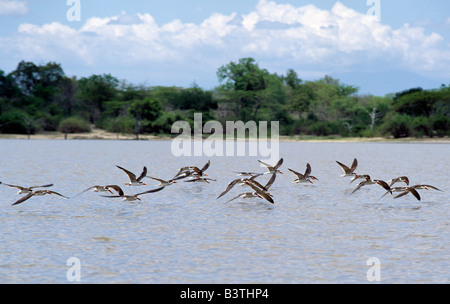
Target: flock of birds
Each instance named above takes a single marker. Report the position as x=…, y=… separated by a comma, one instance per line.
x=197, y=174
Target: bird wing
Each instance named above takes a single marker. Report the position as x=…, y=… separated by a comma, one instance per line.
x=14, y=186
x=383, y=184
x=242, y=194
x=230, y=185
x=53, y=192
x=354, y=165
x=206, y=166
x=43, y=186
x=432, y=187
x=130, y=174
x=157, y=179
x=409, y=190
x=299, y=175
x=308, y=170
x=344, y=167
x=359, y=186
x=265, y=164
x=116, y=188
x=413, y=192
x=85, y=190
x=257, y=184
x=278, y=164
x=271, y=181
x=262, y=193
x=150, y=191
x=24, y=198
x=143, y=174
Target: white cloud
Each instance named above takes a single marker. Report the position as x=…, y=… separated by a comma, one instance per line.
x=13, y=7
x=280, y=34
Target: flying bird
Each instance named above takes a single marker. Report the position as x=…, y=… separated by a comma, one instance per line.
x=96, y=188
x=164, y=183
x=133, y=180
x=26, y=190
x=304, y=178
x=370, y=181
x=398, y=179
x=130, y=198
x=348, y=171
x=273, y=169
x=240, y=181
x=36, y=193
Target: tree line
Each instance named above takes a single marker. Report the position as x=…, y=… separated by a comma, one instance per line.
x=36, y=98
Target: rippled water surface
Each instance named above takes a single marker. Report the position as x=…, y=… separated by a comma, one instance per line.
x=314, y=233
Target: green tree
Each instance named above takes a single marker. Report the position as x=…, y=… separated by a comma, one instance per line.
x=40, y=81
x=145, y=112
x=245, y=75
x=249, y=89
x=93, y=91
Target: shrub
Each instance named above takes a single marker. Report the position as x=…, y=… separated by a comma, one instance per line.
x=74, y=125
x=15, y=122
x=441, y=125
x=398, y=125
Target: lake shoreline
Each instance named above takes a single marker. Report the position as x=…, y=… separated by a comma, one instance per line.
x=98, y=134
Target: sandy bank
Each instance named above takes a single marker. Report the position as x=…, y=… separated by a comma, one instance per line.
x=99, y=134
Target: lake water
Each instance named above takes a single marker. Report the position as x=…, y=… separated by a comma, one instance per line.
x=314, y=233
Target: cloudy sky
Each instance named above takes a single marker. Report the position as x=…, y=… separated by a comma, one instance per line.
x=380, y=46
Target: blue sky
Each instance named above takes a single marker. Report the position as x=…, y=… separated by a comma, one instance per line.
x=179, y=42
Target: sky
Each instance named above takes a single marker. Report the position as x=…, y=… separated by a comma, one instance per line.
x=380, y=46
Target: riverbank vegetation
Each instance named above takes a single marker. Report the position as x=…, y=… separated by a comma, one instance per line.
x=36, y=98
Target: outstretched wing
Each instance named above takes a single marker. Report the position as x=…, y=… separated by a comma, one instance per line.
x=143, y=174
x=265, y=164
x=383, y=184
x=206, y=166
x=271, y=181
x=262, y=193
x=359, y=186
x=130, y=174
x=432, y=187
x=24, y=198
x=151, y=191
x=308, y=170
x=299, y=175
x=116, y=188
x=344, y=167
x=278, y=164
x=413, y=192
x=242, y=194
x=354, y=165
x=43, y=186
x=53, y=192
x=230, y=185
x=14, y=186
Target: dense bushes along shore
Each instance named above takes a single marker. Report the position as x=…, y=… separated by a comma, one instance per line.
x=37, y=98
